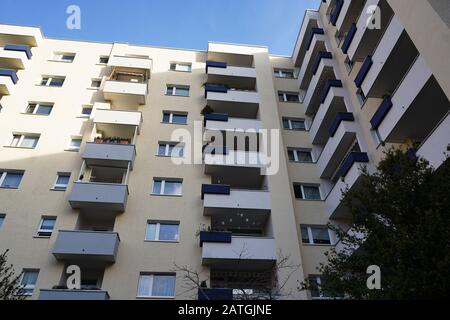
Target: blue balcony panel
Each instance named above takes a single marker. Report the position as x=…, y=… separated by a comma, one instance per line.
x=21, y=48
x=215, y=88
x=217, y=237
x=349, y=38
x=311, y=34
x=216, y=117
x=205, y=294
x=9, y=73
x=367, y=64
x=336, y=12
x=215, y=189
x=352, y=158
x=341, y=116
x=215, y=64
x=327, y=87
x=321, y=55
x=381, y=113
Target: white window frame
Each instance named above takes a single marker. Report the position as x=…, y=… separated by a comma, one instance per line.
x=45, y=232
x=82, y=115
x=96, y=80
x=285, y=94
x=158, y=229
x=58, y=56
x=175, y=88
x=280, y=73
x=50, y=79
x=22, y=137
x=172, y=114
x=3, y=175
x=37, y=105
x=311, y=237
x=61, y=187
x=181, y=64
x=167, y=149
x=296, y=157
x=291, y=127
x=163, y=187
x=152, y=276
x=310, y=186
x=28, y=287
x=72, y=138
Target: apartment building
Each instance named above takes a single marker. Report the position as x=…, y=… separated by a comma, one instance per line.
x=92, y=173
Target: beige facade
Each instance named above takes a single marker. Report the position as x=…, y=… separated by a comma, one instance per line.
x=129, y=214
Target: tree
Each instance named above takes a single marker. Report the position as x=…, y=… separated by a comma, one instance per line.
x=403, y=211
x=10, y=288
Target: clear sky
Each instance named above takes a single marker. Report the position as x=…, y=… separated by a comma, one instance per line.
x=168, y=23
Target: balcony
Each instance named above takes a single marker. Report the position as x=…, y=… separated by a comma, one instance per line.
x=131, y=62
x=234, y=158
x=86, y=246
x=316, y=43
x=117, y=117
x=207, y=294
x=350, y=11
x=365, y=40
x=218, y=199
x=436, y=147
x=349, y=38
x=236, y=103
x=391, y=60
x=409, y=116
x=15, y=56
x=8, y=78
x=321, y=82
x=334, y=103
x=125, y=92
x=99, y=196
x=109, y=154
x=64, y=294
x=20, y=35
x=336, y=12
x=221, y=122
x=232, y=76
x=242, y=252
x=350, y=177
x=342, y=135
x=312, y=62
x=308, y=30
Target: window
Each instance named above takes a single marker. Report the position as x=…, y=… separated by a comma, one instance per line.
x=62, y=181
x=52, y=81
x=349, y=64
x=170, y=150
x=156, y=285
x=307, y=192
x=43, y=109
x=179, y=91
x=28, y=281
x=28, y=141
x=103, y=60
x=2, y=219
x=316, y=290
x=288, y=97
x=162, y=231
x=183, y=67
x=300, y=155
x=46, y=226
x=74, y=144
x=10, y=180
x=174, y=118
x=86, y=111
x=284, y=73
x=63, y=56
x=315, y=235
x=96, y=83
x=294, y=124
x=168, y=187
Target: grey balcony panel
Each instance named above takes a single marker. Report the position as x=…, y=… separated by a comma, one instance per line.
x=47, y=294
x=111, y=155
x=105, y=196
x=86, y=245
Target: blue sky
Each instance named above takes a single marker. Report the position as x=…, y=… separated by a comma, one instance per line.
x=176, y=23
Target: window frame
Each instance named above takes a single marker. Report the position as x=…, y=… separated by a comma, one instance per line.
x=84, y=107
x=74, y=149
x=171, y=116
x=60, y=187
x=37, y=105
x=28, y=287
x=285, y=95
x=163, y=187
x=295, y=152
x=158, y=225
x=4, y=174
x=21, y=137
x=175, y=88
x=309, y=229
x=303, y=185
x=45, y=233
x=58, y=56
x=278, y=72
x=49, y=80
x=177, y=64
x=152, y=276
x=167, y=146
x=291, y=120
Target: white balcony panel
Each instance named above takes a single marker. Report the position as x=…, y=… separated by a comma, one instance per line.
x=436, y=147
x=13, y=59
x=20, y=35
x=316, y=79
x=125, y=92
x=381, y=55
x=318, y=42
x=234, y=124
x=343, y=13
x=241, y=248
x=409, y=89
x=239, y=199
x=129, y=118
x=235, y=96
x=6, y=85
x=237, y=159
x=336, y=148
x=233, y=71
x=130, y=62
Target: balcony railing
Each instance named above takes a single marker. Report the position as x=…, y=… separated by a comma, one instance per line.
x=109, y=154
x=19, y=48
x=207, y=294
x=336, y=12
x=214, y=236
x=311, y=34
x=321, y=55
x=365, y=68
x=381, y=112
x=12, y=74
x=351, y=159
x=349, y=38
x=92, y=195
x=326, y=88
x=65, y=294
x=341, y=116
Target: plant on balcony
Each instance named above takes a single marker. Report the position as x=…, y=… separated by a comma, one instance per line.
x=10, y=288
x=403, y=213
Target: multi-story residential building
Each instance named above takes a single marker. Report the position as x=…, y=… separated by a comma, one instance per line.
x=91, y=173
